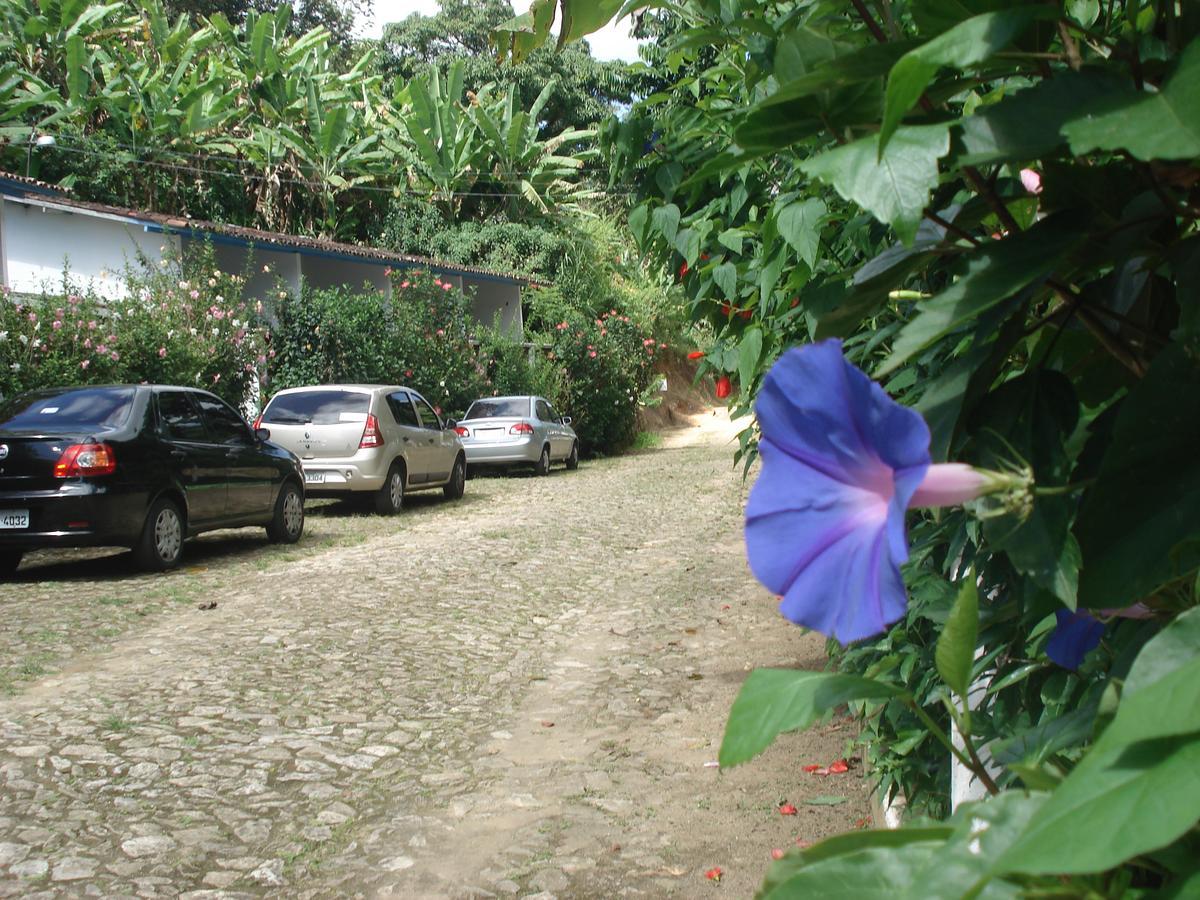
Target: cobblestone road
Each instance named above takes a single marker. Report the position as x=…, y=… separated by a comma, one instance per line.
x=512, y=695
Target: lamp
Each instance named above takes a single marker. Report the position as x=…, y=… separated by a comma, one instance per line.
x=39, y=141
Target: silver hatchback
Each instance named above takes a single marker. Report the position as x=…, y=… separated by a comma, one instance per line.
x=512, y=431
x=372, y=440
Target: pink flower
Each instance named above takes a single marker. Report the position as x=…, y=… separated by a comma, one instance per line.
x=440, y=332
x=592, y=354
x=85, y=364
x=447, y=287
x=33, y=317
x=87, y=344
x=216, y=378
x=59, y=313
x=56, y=324
x=405, y=284
x=102, y=349
x=1031, y=180
x=162, y=352
x=195, y=295
x=92, y=325
x=115, y=356
x=387, y=271
x=73, y=299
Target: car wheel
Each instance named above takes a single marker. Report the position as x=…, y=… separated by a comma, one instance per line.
x=542, y=467
x=390, y=498
x=9, y=560
x=573, y=459
x=287, y=524
x=458, y=481
x=161, y=544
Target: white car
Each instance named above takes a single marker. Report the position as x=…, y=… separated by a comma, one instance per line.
x=372, y=440
x=515, y=431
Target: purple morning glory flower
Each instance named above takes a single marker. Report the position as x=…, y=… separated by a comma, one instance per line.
x=1076, y=634
x=841, y=462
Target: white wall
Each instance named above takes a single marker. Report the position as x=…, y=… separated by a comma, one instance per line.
x=38, y=242
x=496, y=299
x=321, y=272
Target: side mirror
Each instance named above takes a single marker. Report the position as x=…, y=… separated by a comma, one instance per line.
x=566, y=420
x=262, y=434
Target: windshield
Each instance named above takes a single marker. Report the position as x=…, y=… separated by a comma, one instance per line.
x=320, y=407
x=496, y=407
x=77, y=409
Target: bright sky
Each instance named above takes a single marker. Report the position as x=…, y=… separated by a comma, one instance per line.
x=613, y=42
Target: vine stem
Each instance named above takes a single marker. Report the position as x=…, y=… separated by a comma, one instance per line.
x=970, y=760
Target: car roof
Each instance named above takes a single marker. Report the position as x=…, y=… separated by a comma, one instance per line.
x=510, y=397
x=359, y=388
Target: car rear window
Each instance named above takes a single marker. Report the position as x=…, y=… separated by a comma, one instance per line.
x=491, y=409
x=320, y=407
x=79, y=409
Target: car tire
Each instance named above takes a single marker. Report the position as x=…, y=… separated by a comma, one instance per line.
x=389, y=499
x=542, y=466
x=458, y=481
x=573, y=458
x=287, y=524
x=9, y=560
x=161, y=544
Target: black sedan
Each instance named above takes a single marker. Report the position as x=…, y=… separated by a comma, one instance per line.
x=138, y=466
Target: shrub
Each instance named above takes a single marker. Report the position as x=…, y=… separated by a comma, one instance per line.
x=180, y=324
x=420, y=337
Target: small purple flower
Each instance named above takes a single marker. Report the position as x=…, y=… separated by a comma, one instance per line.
x=825, y=520
x=1076, y=634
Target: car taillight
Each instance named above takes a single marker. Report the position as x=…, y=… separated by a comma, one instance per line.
x=462, y=432
x=86, y=459
x=521, y=428
x=371, y=436
x=258, y=422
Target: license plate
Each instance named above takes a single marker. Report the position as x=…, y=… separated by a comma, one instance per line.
x=14, y=518
x=314, y=477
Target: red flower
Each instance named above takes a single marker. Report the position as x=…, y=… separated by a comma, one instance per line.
x=747, y=313
x=724, y=387
x=714, y=874
x=777, y=853
x=786, y=809
x=839, y=767
x=683, y=270
x=696, y=354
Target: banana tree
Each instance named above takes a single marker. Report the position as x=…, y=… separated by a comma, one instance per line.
x=520, y=165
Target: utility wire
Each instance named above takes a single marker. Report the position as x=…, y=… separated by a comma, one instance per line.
x=316, y=185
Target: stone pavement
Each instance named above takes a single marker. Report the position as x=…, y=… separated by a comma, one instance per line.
x=518, y=694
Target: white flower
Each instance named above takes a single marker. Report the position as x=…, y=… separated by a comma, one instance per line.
x=216, y=331
x=16, y=367
x=193, y=331
x=237, y=323
x=23, y=339
x=3, y=335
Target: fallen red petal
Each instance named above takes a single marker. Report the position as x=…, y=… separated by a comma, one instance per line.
x=786, y=809
x=813, y=768
x=714, y=874
x=776, y=853
x=839, y=767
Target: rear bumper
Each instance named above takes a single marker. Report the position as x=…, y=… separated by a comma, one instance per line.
x=525, y=450
x=340, y=477
x=76, y=515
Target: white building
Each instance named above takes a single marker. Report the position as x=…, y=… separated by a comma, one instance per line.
x=44, y=231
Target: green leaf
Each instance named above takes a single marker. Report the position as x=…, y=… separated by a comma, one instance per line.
x=956, y=646
x=1170, y=649
x=79, y=70
x=993, y=273
x=773, y=701
x=1151, y=475
x=800, y=225
x=732, y=238
x=1029, y=123
x=1162, y=125
x=639, y=219
x=1129, y=798
x=964, y=45
x=984, y=829
x=725, y=277
x=893, y=186
x=749, y=353
x=666, y=221
x=870, y=873
x=826, y=800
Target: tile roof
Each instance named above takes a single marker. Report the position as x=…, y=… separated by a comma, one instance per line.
x=11, y=185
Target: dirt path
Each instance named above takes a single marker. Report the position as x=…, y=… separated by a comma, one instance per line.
x=516, y=695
